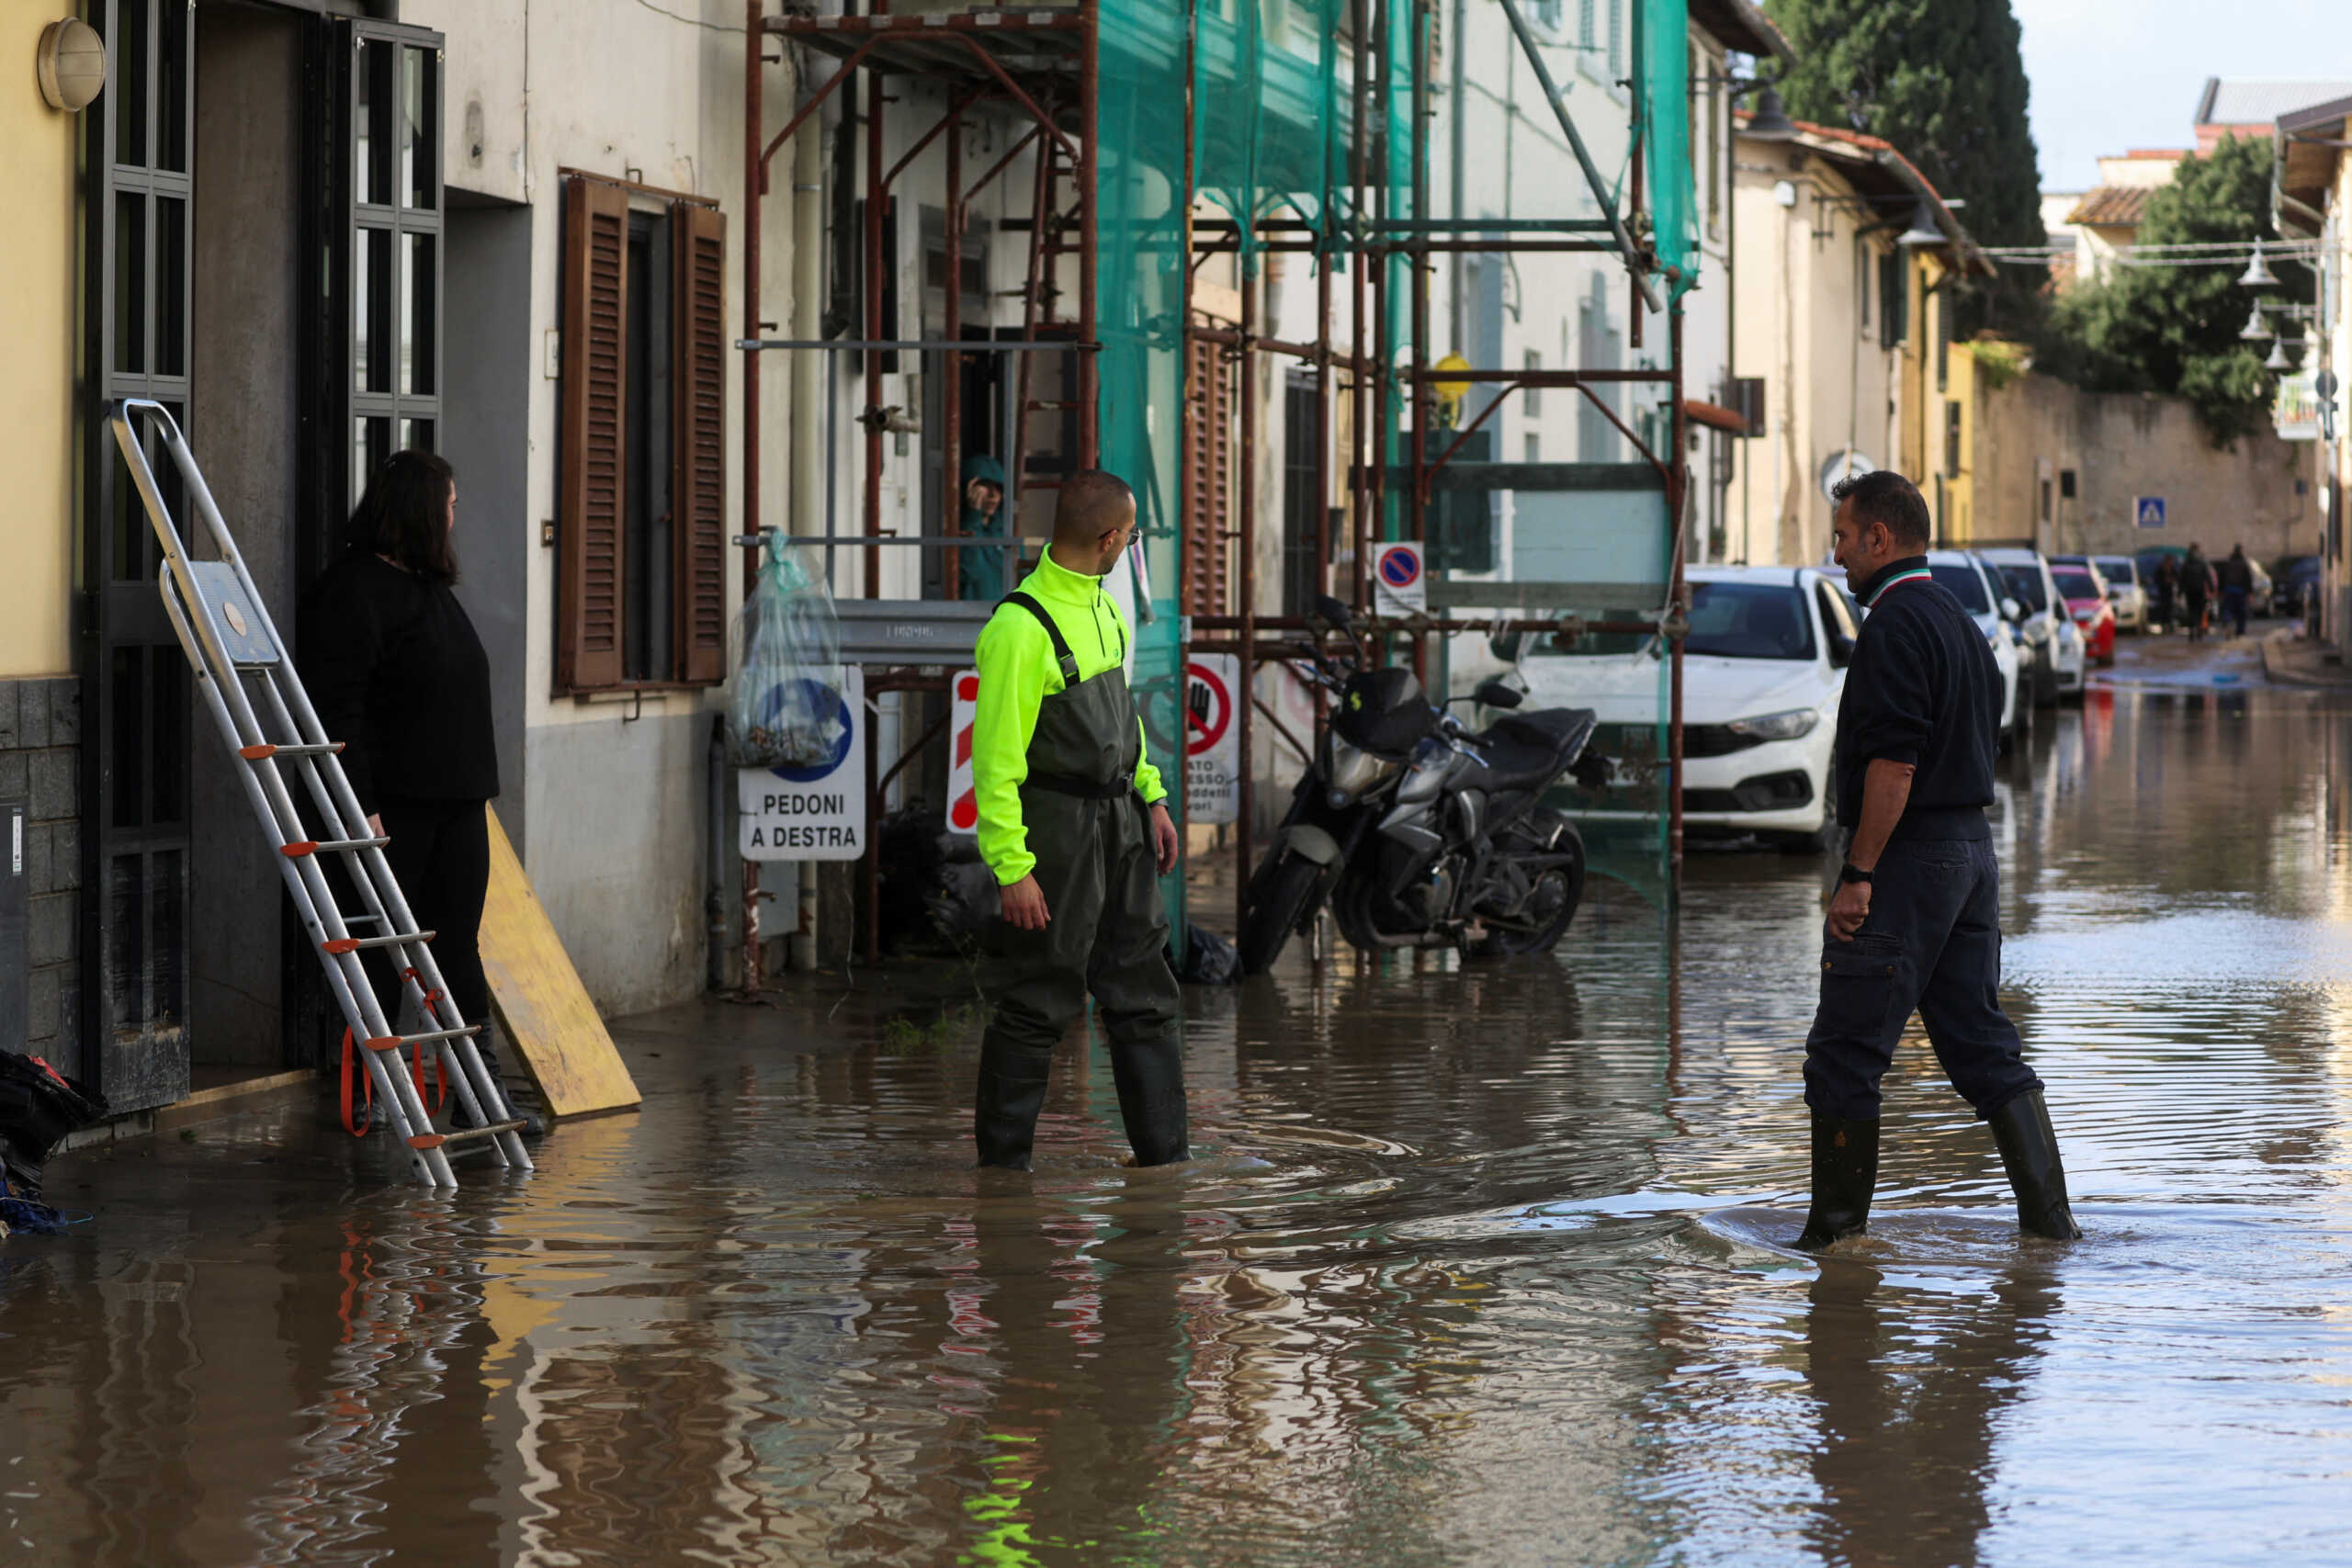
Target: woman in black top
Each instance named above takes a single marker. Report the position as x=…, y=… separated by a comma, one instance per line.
x=397, y=674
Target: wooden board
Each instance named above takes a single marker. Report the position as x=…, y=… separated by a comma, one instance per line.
x=540, y=1003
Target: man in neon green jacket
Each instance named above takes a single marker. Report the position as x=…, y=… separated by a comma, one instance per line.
x=1073, y=824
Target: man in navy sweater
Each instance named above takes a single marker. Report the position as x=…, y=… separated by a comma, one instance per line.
x=1916, y=921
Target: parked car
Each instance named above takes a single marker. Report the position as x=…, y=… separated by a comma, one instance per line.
x=1972, y=582
x=1762, y=668
x=2295, y=585
x=2124, y=590
x=2061, y=668
x=2085, y=592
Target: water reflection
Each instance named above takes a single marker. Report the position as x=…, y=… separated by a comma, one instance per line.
x=1480, y=1264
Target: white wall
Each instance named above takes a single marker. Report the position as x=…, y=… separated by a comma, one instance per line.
x=614, y=832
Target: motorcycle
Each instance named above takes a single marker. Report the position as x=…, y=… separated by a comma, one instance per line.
x=1417, y=831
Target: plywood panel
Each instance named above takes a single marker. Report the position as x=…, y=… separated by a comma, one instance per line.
x=540, y=1002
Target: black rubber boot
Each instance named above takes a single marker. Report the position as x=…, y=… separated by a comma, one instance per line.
x=2028, y=1148
x=1845, y=1168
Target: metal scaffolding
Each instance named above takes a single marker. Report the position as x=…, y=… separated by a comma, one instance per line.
x=1369, y=221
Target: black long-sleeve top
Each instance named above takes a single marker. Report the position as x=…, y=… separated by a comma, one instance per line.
x=396, y=672
x=1922, y=689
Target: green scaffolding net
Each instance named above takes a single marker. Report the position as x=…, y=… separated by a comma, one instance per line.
x=1267, y=135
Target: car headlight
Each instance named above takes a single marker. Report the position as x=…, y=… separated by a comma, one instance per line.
x=1777, y=726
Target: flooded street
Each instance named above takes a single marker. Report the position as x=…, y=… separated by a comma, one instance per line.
x=1478, y=1266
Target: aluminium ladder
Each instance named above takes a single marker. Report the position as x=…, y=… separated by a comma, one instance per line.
x=237, y=654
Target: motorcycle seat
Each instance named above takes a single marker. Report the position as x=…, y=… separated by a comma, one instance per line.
x=1553, y=729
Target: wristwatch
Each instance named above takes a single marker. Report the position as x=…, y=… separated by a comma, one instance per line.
x=1850, y=871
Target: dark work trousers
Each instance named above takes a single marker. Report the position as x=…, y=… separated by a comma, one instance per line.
x=1932, y=943
x=1106, y=932
x=440, y=855
x=2233, y=609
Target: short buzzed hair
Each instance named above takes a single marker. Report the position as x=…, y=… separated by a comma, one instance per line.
x=1089, y=505
x=1884, y=496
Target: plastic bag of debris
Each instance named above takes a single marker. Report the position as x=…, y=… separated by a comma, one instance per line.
x=39, y=1106
x=1209, y=959
x=786, y=710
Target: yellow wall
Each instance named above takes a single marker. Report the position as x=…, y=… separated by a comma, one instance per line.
x=37, y=294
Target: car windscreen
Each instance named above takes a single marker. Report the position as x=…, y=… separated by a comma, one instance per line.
x=1749, y=620
x=2025, y=583
x=2117, y=568
x=2076, y=585
x=1966, y=586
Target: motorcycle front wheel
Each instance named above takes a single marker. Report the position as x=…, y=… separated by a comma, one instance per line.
x=1279, y=903
x=1552, y=904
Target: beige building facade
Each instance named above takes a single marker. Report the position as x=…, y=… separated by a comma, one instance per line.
x=1846, y=325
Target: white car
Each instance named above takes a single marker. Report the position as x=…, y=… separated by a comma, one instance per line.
x=2061, y=667
x=1763, y=669
x=1971, y=581
x=2124, y=591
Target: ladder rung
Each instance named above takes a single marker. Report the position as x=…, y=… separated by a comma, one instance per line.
x=394, y=1041
x=469, y=1135
x=353, y=944
x=301, y=846
x=263, y=754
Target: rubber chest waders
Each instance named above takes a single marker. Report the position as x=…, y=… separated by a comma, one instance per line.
x=1105, y=933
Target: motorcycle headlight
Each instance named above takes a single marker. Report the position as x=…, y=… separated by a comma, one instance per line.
x=1350, y=769
x=1777, y=726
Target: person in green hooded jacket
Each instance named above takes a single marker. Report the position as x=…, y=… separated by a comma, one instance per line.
x=983, y=575
x=1073, y=824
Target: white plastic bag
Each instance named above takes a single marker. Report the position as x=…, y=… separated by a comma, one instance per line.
x=785, y=711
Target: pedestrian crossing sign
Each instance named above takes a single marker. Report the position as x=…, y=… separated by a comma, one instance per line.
x=2148, y=511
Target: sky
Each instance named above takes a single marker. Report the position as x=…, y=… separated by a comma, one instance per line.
x=2112, y=75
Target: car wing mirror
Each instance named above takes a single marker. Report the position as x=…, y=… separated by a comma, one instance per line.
x=2011, y=610
x=1841, y=650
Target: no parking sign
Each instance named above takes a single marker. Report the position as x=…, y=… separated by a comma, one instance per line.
x=1212, y=738
x=1401, y=588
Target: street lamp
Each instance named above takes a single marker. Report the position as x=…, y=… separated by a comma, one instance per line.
x=2257, y=330
x=2257, y=271
x=1770, y=122
x=1923, y=231
x=2278, y=360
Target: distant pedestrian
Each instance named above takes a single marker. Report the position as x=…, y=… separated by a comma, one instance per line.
x=2236, y=576
x=2196, y=591
x=1916, y=923
x=2167, y=590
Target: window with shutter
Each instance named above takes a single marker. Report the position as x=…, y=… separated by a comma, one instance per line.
x=1208, y=436
x=697, y=487
x=642, y=594
x=594, y=368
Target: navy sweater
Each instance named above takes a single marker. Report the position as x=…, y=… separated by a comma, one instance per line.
x=1922, y=689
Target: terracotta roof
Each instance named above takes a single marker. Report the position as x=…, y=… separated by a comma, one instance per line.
x=2110, y=206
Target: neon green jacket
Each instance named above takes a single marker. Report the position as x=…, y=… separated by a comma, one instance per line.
x=1017, y=673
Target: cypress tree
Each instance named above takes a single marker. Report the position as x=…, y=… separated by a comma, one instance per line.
x=1944, y=82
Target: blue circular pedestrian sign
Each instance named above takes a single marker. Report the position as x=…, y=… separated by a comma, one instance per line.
x=815, y=693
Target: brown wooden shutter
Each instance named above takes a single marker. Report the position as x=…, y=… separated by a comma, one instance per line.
x=594, y=380
x=697, y=443
x=1208, y=436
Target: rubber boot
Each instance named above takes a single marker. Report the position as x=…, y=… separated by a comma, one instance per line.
x=1845, y=1168
x=2028, y=1148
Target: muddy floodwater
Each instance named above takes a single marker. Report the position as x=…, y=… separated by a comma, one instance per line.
x=1478, y=1266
